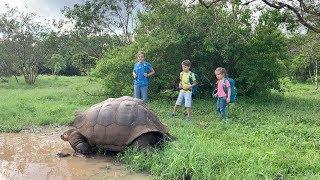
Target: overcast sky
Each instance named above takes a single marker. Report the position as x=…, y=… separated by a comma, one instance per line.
x=45, y=9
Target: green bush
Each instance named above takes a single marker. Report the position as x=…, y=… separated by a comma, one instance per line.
x=114, y=71
x=170, y=33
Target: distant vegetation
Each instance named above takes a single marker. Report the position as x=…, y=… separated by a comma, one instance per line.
x=257, y=51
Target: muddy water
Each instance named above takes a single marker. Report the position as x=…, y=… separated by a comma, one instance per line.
x=32, y=155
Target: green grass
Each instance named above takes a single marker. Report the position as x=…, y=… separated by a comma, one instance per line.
x=267, y=137
x=52, y=100
x=271, y=137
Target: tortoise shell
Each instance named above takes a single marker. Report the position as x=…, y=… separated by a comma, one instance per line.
x=116, y=122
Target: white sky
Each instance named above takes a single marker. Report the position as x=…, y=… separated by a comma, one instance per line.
x=45, y=9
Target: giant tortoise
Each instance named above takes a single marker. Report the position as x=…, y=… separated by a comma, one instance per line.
x=115, y=124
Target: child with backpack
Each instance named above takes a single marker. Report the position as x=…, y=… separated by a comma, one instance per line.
x=187, y=82
x=224, y=91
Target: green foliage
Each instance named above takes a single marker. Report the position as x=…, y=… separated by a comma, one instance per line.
x=275, y=18
x=170, y=33
x=80, y=51
x=261, y=67
x=8, y=66
x=95, y=17
x=56, y=63
x=306, y=52
x=114, y=71
x=83, y=61
x=22, y=37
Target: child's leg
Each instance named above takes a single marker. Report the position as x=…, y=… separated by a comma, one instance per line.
x=175, y=108
x=188, y=111
x=188, y=103
x=178, y=102
x=218, y=105
x=137, y=92
x=144, y=93
x=222, y=107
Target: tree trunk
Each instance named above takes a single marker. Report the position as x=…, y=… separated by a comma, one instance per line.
x=15, y=76
x=310, y=75
x=30, y=75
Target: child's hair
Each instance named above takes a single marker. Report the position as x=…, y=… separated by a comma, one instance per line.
x=221, y=70
x=186, y=63
x=139, y=53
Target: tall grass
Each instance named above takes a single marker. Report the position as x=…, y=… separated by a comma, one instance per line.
x=271, y=137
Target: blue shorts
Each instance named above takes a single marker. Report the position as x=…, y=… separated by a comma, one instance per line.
x=186, y=96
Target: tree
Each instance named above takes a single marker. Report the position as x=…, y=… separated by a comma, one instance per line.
x=306, y=57
x=56, y=63
x=171, y=32
x=306, y=11
x=24, y=37
x=72, y=44
x=84, y=62
x=7, y=66
x=105, y=17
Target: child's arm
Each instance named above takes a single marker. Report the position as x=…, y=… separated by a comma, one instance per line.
x=215, y=95
x=215, y=90
x=229, y=94
x=134, y=74
x=180, y=85
x=192, y=85
x=152, y=72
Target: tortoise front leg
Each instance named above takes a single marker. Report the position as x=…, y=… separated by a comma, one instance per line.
x=83, y=149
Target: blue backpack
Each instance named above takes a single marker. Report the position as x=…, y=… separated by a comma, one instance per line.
x=232, y=87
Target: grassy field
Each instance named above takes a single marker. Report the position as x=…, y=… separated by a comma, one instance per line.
x=270, y=137
x=52, y=100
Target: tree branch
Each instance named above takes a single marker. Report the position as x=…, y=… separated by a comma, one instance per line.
x=308, y=10
x=303, y=21
x=281, y=5
x=247, y=3
x=210, y=4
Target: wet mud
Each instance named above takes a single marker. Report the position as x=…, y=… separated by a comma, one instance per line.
x=32, y=154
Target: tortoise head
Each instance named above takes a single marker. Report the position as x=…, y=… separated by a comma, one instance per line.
x=65, y=136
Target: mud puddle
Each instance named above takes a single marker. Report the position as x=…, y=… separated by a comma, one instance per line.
x=31, y=154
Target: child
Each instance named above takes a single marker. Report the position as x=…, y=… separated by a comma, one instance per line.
x=223, y=92
x=142, y=70
x=187, y=81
